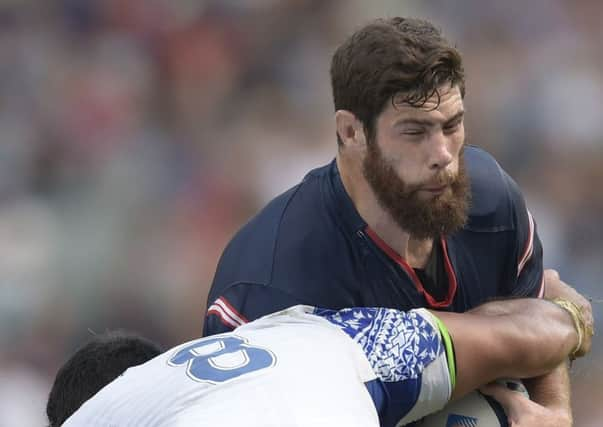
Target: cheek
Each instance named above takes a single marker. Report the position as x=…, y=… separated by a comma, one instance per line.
x=410, y=172
x=456, y=147
x=459, y=140
x=408, y=161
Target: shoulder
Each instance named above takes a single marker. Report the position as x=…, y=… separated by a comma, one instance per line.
x=284, y=238
x=495, y=197
x=296, y=203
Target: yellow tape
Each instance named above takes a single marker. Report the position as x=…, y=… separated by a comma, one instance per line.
x=579, y=323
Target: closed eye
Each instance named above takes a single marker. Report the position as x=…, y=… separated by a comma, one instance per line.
x=452, y=127
x=454, y=123
x=413, y=132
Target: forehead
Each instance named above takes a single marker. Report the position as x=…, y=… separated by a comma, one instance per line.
x=450, y=104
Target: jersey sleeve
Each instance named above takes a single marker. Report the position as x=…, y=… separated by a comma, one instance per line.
x=527, y=261
x=242, y=303
x=409, y=355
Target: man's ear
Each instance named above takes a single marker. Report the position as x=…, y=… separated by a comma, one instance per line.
x=349, y=129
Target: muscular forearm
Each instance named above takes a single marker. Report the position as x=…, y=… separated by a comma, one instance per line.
x=516, y=338
x=547, y=334
x=538, y=334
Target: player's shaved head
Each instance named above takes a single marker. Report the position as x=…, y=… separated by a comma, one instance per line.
x=93, y=366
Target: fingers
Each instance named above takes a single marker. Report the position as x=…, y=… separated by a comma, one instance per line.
x=513, y=385
x=509, y=399
x=512, y=402
x=522, y=412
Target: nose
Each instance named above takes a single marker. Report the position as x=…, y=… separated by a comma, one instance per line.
x=440, y=152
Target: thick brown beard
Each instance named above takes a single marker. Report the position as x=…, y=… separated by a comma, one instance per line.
x=423, y=219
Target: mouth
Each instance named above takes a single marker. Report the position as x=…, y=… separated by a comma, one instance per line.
x=435, y=189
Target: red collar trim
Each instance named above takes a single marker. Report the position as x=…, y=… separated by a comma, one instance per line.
x=452, y=283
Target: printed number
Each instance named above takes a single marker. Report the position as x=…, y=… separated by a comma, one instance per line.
x=221, y=359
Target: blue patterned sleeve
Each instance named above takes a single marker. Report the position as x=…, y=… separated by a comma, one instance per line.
x=407, y=355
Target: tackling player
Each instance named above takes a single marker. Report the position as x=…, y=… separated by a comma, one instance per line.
x=407, y=215
x=314, y=367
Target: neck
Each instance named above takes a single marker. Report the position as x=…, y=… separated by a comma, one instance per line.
x=415, y=251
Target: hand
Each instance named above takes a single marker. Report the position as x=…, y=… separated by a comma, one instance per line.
x=557, y=288
x=522, y=412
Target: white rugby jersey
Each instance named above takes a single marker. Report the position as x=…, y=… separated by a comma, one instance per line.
x=299, y=367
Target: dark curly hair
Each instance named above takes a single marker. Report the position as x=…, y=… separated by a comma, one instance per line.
x=398, y=60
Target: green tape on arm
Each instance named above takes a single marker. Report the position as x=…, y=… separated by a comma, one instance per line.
x=447, y=340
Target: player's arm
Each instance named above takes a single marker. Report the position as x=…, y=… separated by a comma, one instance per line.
x=422, y=359
x=551, y=390
x=519, y=338
x=242, y=303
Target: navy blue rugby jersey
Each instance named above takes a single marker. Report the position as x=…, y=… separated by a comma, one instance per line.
x=310, y=246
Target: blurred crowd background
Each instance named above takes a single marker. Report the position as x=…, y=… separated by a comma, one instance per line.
x=136, y=136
